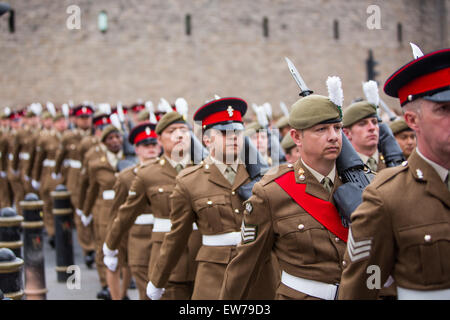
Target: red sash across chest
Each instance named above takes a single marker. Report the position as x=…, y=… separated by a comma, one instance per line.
x=323, y=211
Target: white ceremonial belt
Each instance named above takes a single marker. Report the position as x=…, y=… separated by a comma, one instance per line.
x=312, y=288
x=224, y=239
x=411, y=294
x=76, y=164
x=24, y=156
x=109, y=194
x=49, y=163
x=66, y=163
x=162, y=225
x=145, y=218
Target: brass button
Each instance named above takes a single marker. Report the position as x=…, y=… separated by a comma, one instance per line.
x=209, y=202
x=427, y=238
x=337, y=239
x=160, y=190
x=236, y=210
x=233, y=193
x=301, y=226
x=344, y=263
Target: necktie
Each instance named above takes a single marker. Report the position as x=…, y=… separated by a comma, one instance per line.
x=327, y=184
x=230, y=174
x=372, y=164
x=178, y=167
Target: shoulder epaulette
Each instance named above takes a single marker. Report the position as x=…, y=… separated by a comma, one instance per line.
x=189, y=170
x=387, y=174
x=272, y=174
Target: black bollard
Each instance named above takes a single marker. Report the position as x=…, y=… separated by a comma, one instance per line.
x=63, y=214
x=10, y=274
x=33, y=253
x=10, y=230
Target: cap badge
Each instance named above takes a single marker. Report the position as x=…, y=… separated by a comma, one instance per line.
x=84, y=110
x=147, y=131
x=230, y=111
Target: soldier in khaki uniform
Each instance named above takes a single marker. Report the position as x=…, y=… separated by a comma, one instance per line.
x=5, y=188
x=207, y=194
x=70, y=153
x=292, y=214
x=361, y=128
x=131, y=230
x=291, y=150
x=152, y=186
x=405, y=136
x=407, y=237
x=44, y=178
x=102, y=177
x=13, y=174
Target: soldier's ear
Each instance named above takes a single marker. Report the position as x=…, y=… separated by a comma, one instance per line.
x=348, y=133
x=412, y=119
x=296, y=136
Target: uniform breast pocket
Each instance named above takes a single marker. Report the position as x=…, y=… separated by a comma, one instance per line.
x=210, y=211
x=425, y=249
x=160, y=199
x=296, y=237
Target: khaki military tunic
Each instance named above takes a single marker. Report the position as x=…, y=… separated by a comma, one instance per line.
x=100, y=193
x=152, y=186
x=27, y=141
x=5, y=188
x=131, y=239
x=204, y=196
x=274, y=222
x=44, y=163
x=14, y=177
x=406, y=236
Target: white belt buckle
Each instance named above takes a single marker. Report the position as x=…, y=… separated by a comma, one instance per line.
x=24, y=156
x=224, y=239
x=75, y=164
x=108, y=194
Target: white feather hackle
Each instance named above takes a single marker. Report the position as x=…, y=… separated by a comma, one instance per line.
x=335, y=93
x=115, y=121
x=51, y=108
x=152, y=117
x=164, y=106
x=104, y=108
x=268, y=108
x=120, y=112
x=417, y=53
x=7, y=111
x=182, y=107
x=149, y=106
x=284, y=109
x=370, y=89
x=65, y=110
x=261, y=116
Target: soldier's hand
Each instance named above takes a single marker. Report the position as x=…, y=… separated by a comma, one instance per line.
x=79, y=212
x=35, y=184
x=3, y=174
x=153, y=292
x=111, y=262
x=56, y=176
x=86, y=220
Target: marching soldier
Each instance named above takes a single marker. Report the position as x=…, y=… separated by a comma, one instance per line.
x=258, y=135
x=138, y=224
x=102, y=177
x=152, y=186
x=207, y=194
x=291, y=150
x=5, y=188
x=89, y=148
x=292, y=214
x=70, y=152
x=407, y=237
x=44, y=178
x=15, y=181
x=361, y=128
x=405, y=136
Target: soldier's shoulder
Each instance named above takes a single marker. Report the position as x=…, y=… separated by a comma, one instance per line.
x=275, y=173
x=188, y=171
x=389, y=176
x=147, y=165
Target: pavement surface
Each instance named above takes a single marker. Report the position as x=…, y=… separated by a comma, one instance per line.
x=83, y=288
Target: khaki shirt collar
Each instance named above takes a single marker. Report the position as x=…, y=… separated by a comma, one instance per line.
x=365, y=158
x=441, y=171
x=184, y=162
x=222, y=166
x=320, y=176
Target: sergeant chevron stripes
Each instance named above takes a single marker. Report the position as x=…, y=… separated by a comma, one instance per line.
x=358, y=250
x=248, y=232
